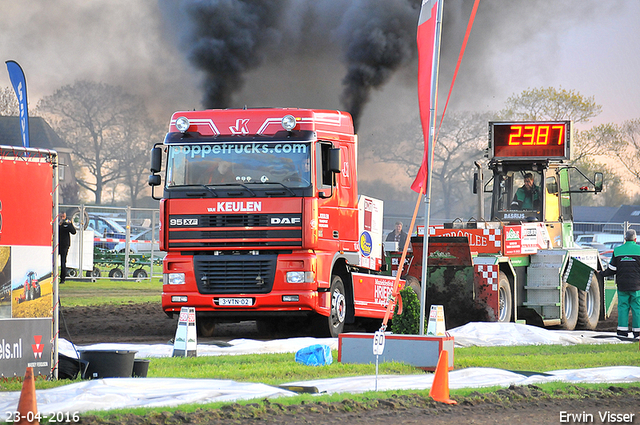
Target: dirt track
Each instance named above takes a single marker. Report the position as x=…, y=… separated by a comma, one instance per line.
x=142, y=323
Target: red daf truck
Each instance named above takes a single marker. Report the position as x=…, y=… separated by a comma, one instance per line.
x=261, y=220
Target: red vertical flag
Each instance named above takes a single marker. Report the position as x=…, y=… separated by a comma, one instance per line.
x=428, y=51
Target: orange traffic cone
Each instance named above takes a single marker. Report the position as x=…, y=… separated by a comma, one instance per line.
x=440, y=387
x=27, y=407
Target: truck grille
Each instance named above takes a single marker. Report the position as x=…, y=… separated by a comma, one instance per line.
x=233, y=274
x=235, y=230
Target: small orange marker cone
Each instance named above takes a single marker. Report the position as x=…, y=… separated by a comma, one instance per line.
x=27, y=402
x=440, y=387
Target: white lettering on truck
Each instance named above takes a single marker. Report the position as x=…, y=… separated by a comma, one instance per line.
x=236, y=206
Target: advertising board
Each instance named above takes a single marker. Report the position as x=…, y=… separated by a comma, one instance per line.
x=26, y=278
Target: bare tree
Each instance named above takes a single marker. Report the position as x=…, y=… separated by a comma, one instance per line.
x=9, y=102
x=134, y=162
x=460, y=141
x=627, y=148
x=96, y=120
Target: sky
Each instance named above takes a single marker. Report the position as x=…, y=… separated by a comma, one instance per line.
x=183, y=54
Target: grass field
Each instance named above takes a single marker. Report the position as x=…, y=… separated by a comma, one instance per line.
x=105, y=291
x=283, y=368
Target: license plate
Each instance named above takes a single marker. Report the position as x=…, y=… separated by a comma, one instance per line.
x=235, y=301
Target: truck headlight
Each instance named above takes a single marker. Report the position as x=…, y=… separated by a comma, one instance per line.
x=300, y=277
x=288, y=122
x=182, y=124
x=174, y=279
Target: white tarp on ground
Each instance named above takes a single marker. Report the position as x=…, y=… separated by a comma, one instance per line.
x=115, y=393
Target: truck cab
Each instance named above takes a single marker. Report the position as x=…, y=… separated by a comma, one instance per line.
x=261, y=220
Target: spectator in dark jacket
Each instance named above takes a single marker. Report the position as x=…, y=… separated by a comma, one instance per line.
x=625, y=265
x=65, y=230
x=398, y=235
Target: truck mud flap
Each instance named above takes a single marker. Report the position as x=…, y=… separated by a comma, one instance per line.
x=450, y=277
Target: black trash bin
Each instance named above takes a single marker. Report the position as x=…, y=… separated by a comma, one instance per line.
x=68, y=367
x=140, y=368
x=108, y=363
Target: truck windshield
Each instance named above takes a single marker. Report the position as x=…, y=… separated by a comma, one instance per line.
x=244, y=162
x=517, y=195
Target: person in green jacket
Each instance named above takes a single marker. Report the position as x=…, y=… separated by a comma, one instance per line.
x=625, y=265
x=527, y=197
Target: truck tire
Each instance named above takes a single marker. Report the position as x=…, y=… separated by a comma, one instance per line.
x=505, y=299
x=569, y=307
x=333, y=325
x=589, y=306
x=205, y=326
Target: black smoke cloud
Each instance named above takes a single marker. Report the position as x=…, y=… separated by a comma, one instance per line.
x=370, y=41
x=229, y=38
x=379, y=38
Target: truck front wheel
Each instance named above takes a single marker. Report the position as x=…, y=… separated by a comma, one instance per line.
x=569, y=307
x=334, y=324
x=589, y=306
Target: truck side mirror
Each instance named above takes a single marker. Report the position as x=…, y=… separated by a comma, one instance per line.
x=334, y=160
x=476, y=183
x=154, y=180
x=156, y=160
x=598, y=181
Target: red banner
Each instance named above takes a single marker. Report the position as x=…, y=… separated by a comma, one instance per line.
x=25, y=203
x=426, y=50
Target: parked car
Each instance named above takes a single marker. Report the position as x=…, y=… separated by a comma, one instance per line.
x=144, y=245
x=106, y=227
x=599, y=246
x=605, y=256
x=612, y=245
x=600, y=238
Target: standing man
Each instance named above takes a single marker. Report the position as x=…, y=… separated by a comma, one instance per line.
x=398, y=235
x=625, y=264
x=65, y=230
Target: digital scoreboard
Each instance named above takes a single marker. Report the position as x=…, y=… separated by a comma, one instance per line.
x=530, y=139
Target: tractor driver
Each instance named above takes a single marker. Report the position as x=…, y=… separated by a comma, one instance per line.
x=527, y=197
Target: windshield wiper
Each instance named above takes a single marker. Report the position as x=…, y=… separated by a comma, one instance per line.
x=278, y=183
x=239, y=184
x=209, y=189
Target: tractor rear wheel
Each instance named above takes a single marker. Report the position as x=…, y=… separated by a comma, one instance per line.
x=569, y=307
x=589, y=306
x=505, y=299
x=414, y=283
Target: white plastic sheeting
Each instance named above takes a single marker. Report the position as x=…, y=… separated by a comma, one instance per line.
x=115, y=393
x=496, y=334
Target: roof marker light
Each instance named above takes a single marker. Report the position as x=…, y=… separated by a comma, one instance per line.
x=288, y=122
x=182, y=124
